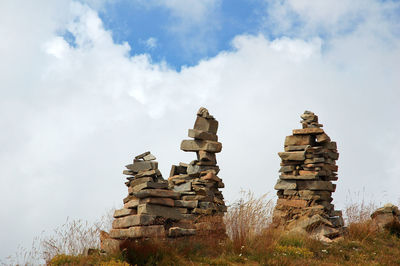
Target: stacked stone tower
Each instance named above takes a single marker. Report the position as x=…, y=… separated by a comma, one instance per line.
x=305, y=185
x=149, y=207
x=197, y=181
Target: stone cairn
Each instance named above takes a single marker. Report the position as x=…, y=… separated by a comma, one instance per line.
x=197, y=182
x=304, y=186
x=149, y=209
x=158, y=208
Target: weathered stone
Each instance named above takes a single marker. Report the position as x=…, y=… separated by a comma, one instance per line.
x=310, y=131
x=177, y=231
x=204, y=124
x=133, y=220
x=298, y=177
x=197, y=197
x=149, y=157
x=292, y=156
x=299, y=140
x=186, y=203
x=285, y=184
x=183, y=187
x=292, y=203
x=148, y=173
x=158, y=201
x=153, y=231
x=330, y=145
x=287, y=168
x=197, y=169
x=138, y=181
x=315, y=185
x=297, y=148
x=128, y=172
x=147, y=185
x=159, y=210
x=203, y=135
x=142, y=166
x=107, y=244
x=201, y=145
x=124, y=212
x=206, y=205
x=182, y=210
x=140, y=156
x=321, y=138
x=133, y=203
x=206, y=156
x=160, y=193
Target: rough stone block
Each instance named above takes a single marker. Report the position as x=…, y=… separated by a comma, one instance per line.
x=152, y=231
x=206, y=156
x=298, y=177
x=204, y=135
x=201, y=145
x=204, y=124
x=183, y=187
x=299, y=140
x=158, y=210
x=321, y=138
x=124, y=212
x=131, y=204
x=158, y=193
x=133, y=220
x=285, y=184
x=292, y=203
x=139, y=181
x=158, y=201
x=147, y=185
x=306, y=131
x=292, y=156
x=177, y=231
x=315, y=185
x=187, y=203
x=146, y=173
x=142, y=166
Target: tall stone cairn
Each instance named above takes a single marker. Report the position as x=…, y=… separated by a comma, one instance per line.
x=149, y=209
x=305, y=185
x=197, y=181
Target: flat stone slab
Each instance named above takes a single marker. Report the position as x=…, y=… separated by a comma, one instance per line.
x=292, y=156
x=285, y=184
x=205, y=124
x=148, y=173
x=187, y=203
x=292, y=203
x=131, y=204
x=133, y=220
x=138, y=181
x=183, y=187
x=177, y=231
x=306, y=131
x=146, y=185
x=152, y=231
x=204, y=135
x=142, y=166
x=321, y=138
x=298, y=177
x=315, y=185
x=124, y=212
x=201, y=145
x=158, y=193
x=158, y=201
x=299, y=140
x=158, y=210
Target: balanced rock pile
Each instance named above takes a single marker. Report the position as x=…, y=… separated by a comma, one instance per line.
x=198, y=182
x=304, y=185
x=149, y=209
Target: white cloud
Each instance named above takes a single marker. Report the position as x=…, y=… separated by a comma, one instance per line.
x=151, y=43
x=75, y=115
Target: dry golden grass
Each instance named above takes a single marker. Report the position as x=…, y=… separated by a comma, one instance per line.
x=251, y=241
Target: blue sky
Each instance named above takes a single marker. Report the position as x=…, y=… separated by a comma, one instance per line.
x=88, y=84
x=135, y=23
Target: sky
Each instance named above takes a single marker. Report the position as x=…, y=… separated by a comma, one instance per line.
x=87, y=85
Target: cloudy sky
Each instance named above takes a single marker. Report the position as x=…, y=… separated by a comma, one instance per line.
x=86, y=85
